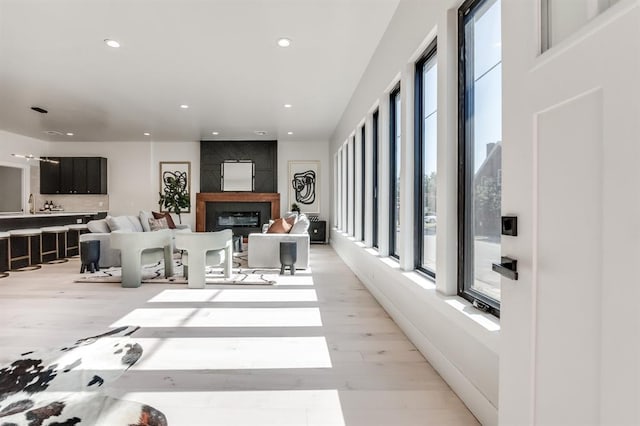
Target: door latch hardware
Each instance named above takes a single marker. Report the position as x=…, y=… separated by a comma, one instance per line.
x=507, y=267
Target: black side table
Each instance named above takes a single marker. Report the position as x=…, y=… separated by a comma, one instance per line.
x=318, y=232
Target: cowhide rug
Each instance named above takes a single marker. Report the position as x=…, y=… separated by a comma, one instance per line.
x=66, y=387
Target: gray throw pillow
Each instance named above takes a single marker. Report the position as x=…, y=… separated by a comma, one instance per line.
x=144, y=217
x=135, y=223
x=98, y=226
x=301, y=226
x=120, y=223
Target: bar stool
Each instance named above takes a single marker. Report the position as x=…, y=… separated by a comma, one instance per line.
x=54, y=244
x=24, y=249
x=4, y=254
x=73, y=238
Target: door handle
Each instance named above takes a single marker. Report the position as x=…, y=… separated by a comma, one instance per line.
x=507, y=267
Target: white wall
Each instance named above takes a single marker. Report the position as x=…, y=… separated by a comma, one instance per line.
x=134, y=175
x=317, y=151
x=177, y=151
x=565, y=350
x=133, y=170
x=11, y=143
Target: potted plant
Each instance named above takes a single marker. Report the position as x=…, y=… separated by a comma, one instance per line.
x=295, y=208
x=175, y=198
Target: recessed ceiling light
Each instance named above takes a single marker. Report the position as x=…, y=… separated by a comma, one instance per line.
x=215, y=133
x=184, y=106
x=284, y=42
x=69, y=134
x=147, y=134
x=288, y=105
x=111, y=43
x=260, y=132
x=289, y=133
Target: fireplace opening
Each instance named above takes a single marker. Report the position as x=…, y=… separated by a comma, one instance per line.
x=228, y=219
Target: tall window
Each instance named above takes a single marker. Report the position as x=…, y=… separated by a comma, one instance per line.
x=353, y=185
x=340, y=189
x=336, y=186
x=394, y=187
x=480, y=151
x=363, y=161
x=426, y=149
x=374, y=193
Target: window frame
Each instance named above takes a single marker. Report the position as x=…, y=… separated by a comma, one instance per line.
x=394, y=95
x=353, y=185
x=465, y=289
x=363, y=180
x=419, y=131
x=375, y=139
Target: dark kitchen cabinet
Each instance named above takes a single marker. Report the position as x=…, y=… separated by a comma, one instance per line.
x=96, y=175
x=79, y=175
x=74, y=175
x=66, y=175
x=50, y=176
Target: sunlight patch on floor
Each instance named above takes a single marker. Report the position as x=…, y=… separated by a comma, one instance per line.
x=247, y=408
x=222, y=317
x=233, y=353
x=237, y=295
x=297, y=279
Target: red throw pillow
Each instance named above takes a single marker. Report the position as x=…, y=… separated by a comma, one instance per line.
x=279, y=226
x=166, y=215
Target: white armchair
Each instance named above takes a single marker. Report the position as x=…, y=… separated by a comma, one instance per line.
x=202, y=249
x=141, y=248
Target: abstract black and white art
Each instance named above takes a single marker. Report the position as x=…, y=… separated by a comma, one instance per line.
x=178, y=170
x=303, y=185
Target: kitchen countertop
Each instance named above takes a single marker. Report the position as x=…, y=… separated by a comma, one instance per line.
x=45, y=214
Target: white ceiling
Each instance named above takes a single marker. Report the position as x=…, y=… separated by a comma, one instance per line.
x=218, y=56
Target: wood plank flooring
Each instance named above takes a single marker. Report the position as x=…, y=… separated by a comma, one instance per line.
x=316, y=349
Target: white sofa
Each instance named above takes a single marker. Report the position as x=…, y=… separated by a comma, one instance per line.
x=101, y=229
x=264, y=248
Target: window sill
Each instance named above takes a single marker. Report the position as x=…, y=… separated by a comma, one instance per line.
x=481, y=325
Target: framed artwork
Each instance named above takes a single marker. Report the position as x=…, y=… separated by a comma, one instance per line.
x=237, y=175
x=179, y=170
x=303, y=185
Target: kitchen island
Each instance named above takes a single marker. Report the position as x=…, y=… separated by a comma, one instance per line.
x=41, y=219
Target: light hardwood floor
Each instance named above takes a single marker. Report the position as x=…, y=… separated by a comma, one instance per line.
x=316, y=349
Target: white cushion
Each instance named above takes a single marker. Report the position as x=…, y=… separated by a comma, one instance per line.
x=301, y=226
